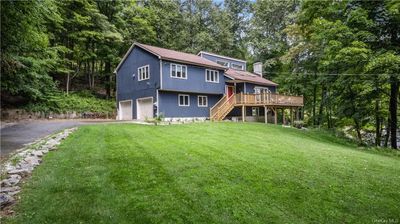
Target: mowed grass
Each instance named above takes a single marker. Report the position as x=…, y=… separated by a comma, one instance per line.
x=210, y=173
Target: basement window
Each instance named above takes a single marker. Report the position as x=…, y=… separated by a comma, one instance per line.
x=202, y=101
x=183, y=100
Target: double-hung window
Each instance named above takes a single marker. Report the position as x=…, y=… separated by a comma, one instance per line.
x=144, y=72
x=183, y=100
x=178, y=71
x=212, y=76
x=202, y=101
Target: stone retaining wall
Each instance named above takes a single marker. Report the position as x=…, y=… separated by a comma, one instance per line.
x=20, y=114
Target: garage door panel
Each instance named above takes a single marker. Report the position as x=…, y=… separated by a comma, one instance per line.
x=125, y=110
x=145, y=108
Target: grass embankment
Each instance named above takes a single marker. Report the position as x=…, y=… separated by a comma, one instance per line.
x=210, y=173
x=73, y=102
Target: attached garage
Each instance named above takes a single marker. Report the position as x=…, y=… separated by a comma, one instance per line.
x=125, y=110
x=144, y=108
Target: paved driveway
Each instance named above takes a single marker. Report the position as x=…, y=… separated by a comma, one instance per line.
x=15, y=136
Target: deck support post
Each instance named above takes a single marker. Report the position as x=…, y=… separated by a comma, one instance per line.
x=283, y=116
x=266, y=114
x=276, y=115
x=291, y=117
x=243, y=113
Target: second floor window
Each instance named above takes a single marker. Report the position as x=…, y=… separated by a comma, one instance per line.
x=178, y=71
x=237, y=66
x=144, y=72
x=223, y=63
x=212, y=76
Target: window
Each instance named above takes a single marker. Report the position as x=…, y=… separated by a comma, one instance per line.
x=178, y=71
x=183, y=100
x=237, y=66
x=144, y=72
x=212, y=76
x=223, y=63
x=255, y=111
x=202, y=101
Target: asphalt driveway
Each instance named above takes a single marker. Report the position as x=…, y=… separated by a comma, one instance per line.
x=15, y=136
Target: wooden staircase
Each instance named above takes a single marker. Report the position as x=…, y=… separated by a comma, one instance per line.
x=225, y=105
x=222, y=108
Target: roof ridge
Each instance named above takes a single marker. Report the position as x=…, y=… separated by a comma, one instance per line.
x=181, y=52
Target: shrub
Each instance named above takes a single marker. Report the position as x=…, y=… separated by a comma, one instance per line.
x=298, y=124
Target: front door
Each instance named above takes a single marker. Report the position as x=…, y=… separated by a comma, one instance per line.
x=229, y=90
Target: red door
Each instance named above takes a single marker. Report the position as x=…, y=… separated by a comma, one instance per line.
x=230, y=91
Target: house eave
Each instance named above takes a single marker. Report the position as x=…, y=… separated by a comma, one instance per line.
x=221, y=56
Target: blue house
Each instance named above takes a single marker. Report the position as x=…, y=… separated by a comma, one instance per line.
x=153, y=81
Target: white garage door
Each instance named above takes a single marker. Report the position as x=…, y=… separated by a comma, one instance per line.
x=125, y=110
x=144, y=108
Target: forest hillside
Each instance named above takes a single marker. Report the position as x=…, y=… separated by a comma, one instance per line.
x=342, y=56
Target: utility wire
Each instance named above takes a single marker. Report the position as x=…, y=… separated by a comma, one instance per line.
x=327, y=74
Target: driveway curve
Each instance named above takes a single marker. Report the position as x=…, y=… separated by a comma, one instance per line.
x=15, y=136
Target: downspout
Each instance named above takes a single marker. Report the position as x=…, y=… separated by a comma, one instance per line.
x=158, y=96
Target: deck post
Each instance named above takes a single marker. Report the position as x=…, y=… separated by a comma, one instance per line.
x=243, y=113
x=291, y=117
x=283, y=116
x=276, y=115
x=266, y=114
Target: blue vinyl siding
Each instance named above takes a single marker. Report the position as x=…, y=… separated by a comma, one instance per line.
x=215, y=58
x=169, y=107
x=195, y=82
x=128, y=87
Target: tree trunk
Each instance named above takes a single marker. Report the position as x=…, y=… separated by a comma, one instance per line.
x=107, y=71
x=378, y=124
x=321, y=105
x=387, y=133
x=314, y=103
x=394, y=92
x=67, y=87
x=358, y=130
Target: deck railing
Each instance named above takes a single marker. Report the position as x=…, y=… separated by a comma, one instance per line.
x=272, y=99
x=225, y=105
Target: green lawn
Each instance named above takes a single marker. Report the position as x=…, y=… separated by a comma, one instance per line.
x=210, y=173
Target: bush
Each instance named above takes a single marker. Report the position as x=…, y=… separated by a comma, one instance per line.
x=298, y=124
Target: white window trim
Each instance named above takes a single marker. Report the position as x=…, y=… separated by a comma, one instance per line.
x=227, y=63
x=179, y=100
x=139, y=75
x=241, y=66
x=198, y=101
x=175, y=77
x=215, y=72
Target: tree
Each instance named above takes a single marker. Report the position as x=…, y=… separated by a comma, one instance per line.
x=27, y=57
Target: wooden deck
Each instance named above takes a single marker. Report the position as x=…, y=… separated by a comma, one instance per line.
x=271, y=101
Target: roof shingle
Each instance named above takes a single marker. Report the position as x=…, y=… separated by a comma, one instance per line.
x=248, y=77
x=180, y=56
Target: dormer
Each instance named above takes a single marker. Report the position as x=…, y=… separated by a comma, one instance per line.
x=225, y=61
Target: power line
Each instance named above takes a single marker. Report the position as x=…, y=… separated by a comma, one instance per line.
x=328, y=74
